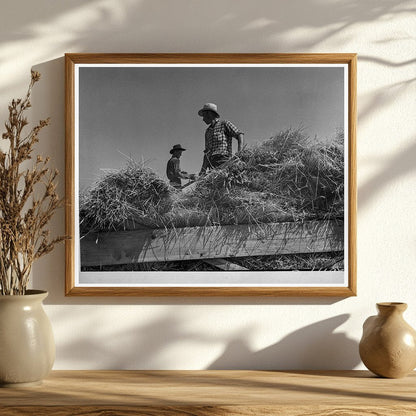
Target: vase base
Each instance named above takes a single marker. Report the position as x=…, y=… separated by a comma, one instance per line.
x=19, y=385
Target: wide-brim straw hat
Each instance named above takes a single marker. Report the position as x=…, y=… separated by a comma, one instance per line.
x=176, y=147
x=208, y=107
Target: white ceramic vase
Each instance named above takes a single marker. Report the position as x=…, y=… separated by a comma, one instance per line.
x=27, y=347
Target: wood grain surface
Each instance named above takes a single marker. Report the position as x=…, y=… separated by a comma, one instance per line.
x=231, y=291
x=173, y=244
x=202, y=393
x=211, y=58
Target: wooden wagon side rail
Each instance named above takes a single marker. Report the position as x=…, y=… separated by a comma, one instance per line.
x=159, y=245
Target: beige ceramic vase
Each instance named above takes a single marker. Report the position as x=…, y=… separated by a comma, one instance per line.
x=388, y=344
x=27, y=347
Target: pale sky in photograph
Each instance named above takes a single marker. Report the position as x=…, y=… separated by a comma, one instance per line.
x=142, y=112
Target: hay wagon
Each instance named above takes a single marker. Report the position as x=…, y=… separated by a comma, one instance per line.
x=275, y=192
x=212, y=244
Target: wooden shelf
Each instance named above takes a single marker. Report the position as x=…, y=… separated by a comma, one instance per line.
x=202, y=393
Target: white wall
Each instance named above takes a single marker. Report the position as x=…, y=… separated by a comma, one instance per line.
x=198, y=333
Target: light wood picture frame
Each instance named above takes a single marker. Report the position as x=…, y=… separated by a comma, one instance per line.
x=126, y=114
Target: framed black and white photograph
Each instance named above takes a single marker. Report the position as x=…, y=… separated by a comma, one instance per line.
x=211, y=174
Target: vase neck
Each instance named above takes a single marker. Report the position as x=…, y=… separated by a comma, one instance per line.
x=390, y=308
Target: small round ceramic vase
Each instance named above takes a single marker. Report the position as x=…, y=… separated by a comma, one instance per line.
x=388, y=345
x=27, y=347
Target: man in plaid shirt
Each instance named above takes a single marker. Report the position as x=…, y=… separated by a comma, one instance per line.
x=218, y=138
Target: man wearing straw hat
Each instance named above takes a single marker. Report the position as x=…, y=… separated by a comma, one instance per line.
x=218, y=138
x=173, y=170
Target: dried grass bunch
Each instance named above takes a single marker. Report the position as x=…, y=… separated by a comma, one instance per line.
x=28, y=199
x=131, y=197
x=289, y=177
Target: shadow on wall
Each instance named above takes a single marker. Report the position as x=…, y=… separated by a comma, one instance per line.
x=382, y=97
x=153, y=345
x=48, y=100
x=147, y=26
x=266, y=20
x=315, y=346
x=241, y=26
x=144, y=347
x=396, y=167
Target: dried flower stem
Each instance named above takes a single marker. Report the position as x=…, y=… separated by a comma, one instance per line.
x=23, y=237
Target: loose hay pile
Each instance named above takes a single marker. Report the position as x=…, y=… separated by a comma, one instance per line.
x=288, y=177
x=127, y=198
